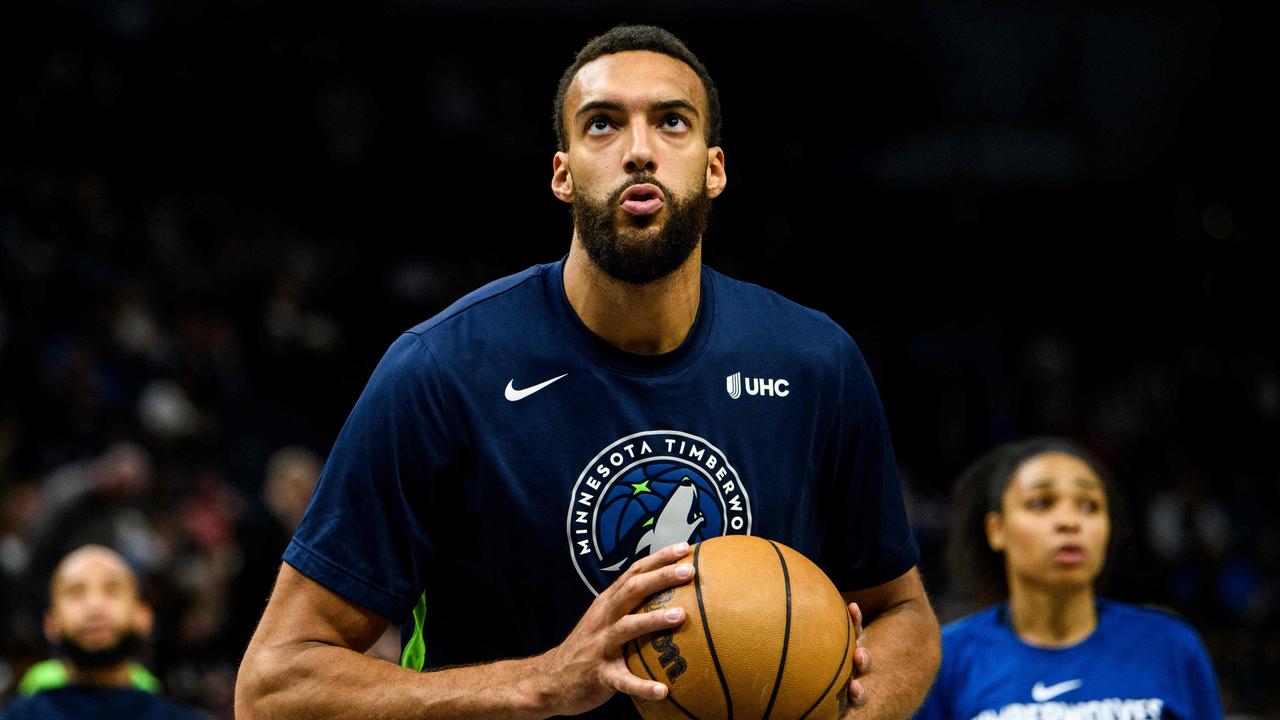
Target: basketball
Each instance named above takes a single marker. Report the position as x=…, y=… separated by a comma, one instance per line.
x=766, y=636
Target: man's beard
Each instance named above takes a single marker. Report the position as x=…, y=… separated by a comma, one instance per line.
x=125, y=648
x=641, y=260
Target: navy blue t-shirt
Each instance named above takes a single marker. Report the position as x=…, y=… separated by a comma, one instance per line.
x=76, y=702
x=504, y=464
x=1137, y=664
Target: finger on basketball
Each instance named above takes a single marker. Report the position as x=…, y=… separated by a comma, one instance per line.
x=624, y=682
x=633, y=626
x=857, y=694
x=861, y=661
x=633, y=590
x=665, y=556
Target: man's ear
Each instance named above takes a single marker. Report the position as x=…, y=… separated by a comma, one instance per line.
x=561, y=178
x=716, y=178
x=142, y=619
x=994, y=525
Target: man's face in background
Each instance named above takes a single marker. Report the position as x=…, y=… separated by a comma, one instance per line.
x=96, y=617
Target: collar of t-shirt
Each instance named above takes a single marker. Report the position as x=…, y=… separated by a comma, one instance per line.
x=613, y=358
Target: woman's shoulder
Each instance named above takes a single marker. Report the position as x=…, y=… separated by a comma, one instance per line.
x=1117, y=620
x=1148, y=617
x=1146, y=621
x=981, y=626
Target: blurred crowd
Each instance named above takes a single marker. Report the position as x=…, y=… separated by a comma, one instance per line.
x=144, y=410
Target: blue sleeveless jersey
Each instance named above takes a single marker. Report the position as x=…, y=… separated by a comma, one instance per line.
x=1138, y=664
x=504, y=464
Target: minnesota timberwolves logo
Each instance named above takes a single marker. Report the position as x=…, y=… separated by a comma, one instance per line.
x=647, y=491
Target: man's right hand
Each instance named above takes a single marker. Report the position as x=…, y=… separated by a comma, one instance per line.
x=586, y=669
x=306, y=661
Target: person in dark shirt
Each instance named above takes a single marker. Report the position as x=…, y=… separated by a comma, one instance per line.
x=264, y=531
x=525, y=468
x=95, y=622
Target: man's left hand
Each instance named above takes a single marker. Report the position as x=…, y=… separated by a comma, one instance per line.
x=861, y=665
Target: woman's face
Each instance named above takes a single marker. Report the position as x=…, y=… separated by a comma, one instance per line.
x=1053, y=526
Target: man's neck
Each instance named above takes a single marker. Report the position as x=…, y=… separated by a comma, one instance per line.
x=648, y=319
x=1049, y=617
x=114, y=676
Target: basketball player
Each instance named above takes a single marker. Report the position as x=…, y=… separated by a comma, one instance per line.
x=526, y=467
x=1033, y=524
x=95, y=621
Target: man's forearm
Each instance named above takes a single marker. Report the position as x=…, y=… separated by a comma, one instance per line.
x=325, y=681
x=304, y=659
x=905, y=650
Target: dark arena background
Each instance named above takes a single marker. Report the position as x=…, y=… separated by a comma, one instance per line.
x=1032, y=217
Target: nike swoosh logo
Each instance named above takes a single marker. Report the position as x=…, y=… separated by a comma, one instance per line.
x=1040, y=693
x=513, y=394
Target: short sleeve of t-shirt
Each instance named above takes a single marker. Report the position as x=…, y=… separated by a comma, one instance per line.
x=361, y=536
x=872, y=542
x=1199, y=683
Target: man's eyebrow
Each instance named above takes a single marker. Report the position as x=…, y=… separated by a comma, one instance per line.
x=618, y=107
x=598, y=105
x=673, y=104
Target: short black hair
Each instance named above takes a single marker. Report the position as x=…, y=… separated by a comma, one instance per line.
x=627, y=38
x=972, y=564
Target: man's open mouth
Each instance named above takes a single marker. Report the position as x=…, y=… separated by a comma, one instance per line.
x=643, y=199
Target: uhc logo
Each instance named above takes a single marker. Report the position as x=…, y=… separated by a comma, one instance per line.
x=735, y=384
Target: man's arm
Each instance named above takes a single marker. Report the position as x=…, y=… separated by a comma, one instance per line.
x=902, y=634
x=306, y=661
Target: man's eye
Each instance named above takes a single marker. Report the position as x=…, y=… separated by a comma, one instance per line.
x=1090, y=506
x=598, y=125
x=675, y=122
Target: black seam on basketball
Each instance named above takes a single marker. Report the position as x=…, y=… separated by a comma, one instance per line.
x=848, y=630
x=680, y=707
x=670, y=698
x=706, y=628
x=786, y=634
x=639, y=654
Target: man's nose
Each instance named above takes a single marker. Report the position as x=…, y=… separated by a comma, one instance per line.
x=95, y=604
x=639, y=156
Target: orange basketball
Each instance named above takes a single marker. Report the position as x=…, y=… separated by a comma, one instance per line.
x=766, y=637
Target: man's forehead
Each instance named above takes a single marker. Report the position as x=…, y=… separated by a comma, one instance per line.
x=93, y=563
x=635, y=76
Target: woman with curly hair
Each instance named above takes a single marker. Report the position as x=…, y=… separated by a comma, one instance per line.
x=1033, y=529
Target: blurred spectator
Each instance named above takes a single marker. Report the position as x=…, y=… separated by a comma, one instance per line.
x=102, y=500
x=292, y=474
x=96, y=623
x=264, y=533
